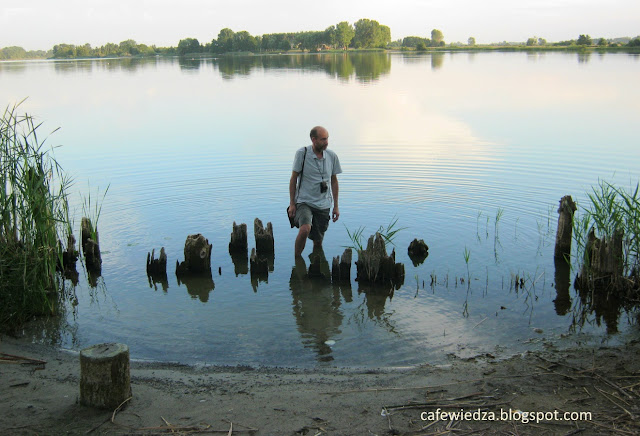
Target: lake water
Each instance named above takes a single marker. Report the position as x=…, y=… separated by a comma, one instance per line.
x=469, y=151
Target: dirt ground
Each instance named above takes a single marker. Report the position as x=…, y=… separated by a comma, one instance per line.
x=526, y=394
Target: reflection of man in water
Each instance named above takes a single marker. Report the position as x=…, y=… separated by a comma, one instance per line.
x=310, y=198
x=316, y=306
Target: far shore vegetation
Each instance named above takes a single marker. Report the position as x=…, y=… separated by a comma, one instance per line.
x=364, y=34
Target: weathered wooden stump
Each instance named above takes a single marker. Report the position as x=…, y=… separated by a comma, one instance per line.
x=418, y=251
x=90, y=245
x=374, y=265
x=565, y=228
x=69, y=259
x=104, y=375
x=341, y=267
x=157, y=267
x=603, y=261
x=238, y=242
x=264, y=237
x=197, y=256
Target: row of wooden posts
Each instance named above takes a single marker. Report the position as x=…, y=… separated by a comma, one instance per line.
x=373, y=265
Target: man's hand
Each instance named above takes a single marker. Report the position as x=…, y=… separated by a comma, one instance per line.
x=292, y=210
x=336, y=214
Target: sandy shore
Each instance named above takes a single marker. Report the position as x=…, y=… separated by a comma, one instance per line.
x=42, y=398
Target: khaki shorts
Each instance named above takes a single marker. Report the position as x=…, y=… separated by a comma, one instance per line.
x=318, y=218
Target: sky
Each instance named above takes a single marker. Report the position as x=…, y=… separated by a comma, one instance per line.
x=40, y=24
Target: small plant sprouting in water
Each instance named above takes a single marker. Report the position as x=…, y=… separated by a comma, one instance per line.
x=388, y=234
x=467, y=255
x=93, y=212
x=498, y=217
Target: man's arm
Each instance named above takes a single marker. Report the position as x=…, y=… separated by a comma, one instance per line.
x=334, y=192
x=292, y=193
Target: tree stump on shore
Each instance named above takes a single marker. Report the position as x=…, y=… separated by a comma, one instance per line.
x=238, y=242
x=264, y=237
x=90, y=246
x=104, y=376
x=565, y=228
x=197, y=256
x=341, y=267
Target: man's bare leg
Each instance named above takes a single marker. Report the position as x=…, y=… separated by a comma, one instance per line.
x=301, y=239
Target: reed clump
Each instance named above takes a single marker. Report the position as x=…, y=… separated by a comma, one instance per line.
x=33, y=219
x=606, y=233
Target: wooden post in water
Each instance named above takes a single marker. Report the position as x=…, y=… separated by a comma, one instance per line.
x=104, y=376
x=238, y=242
x=565, y=228
x=91, y=246
x=341, y=267
x=264, y=237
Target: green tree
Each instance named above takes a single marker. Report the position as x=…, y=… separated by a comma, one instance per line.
x=383, y=36
x=109, y=49
x=532, y=41
x=188, y=45
x=414, y=41
x=344, y=34
x=471, y=41
x=603, y=42
x=243, y=41
x=369, y=33
x=542, y=41
x=224, y=44
x=14, y=52
x=584, y=40
x=62, y=51
x=634, y=42
x=330, y=36
x=127, y=48
x=84, y=51
x=437, y=38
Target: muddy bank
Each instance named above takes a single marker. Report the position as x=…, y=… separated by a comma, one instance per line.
x=602, y=383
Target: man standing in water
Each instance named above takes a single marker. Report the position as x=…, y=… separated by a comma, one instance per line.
x=310, y=197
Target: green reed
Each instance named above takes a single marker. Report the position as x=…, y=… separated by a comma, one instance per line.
x=33, y=219
x=611, y=208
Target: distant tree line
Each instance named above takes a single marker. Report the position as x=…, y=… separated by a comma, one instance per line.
x=363, y=34
x=11, y=53
x=125, y=48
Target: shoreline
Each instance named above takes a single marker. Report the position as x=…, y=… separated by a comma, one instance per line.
x=172, y=397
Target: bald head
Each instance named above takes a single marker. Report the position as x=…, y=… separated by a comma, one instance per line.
x=319, y=138
x=318, y=131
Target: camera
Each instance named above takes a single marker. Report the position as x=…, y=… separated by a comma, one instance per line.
x=323, y=187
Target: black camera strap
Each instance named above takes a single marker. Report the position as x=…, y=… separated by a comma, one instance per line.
x=304, y=158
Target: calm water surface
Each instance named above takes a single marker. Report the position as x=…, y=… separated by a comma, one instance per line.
x=470, y=152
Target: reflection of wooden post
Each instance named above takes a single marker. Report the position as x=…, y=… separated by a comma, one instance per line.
x=104, y=375
x=565, y=228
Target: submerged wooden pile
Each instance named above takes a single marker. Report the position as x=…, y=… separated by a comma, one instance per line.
x=91, y=246
x=374, y=265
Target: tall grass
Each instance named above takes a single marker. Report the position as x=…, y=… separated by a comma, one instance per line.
x=610, y=209
x=33, y=219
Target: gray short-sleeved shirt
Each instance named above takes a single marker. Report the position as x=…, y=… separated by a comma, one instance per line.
x=315, y=171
